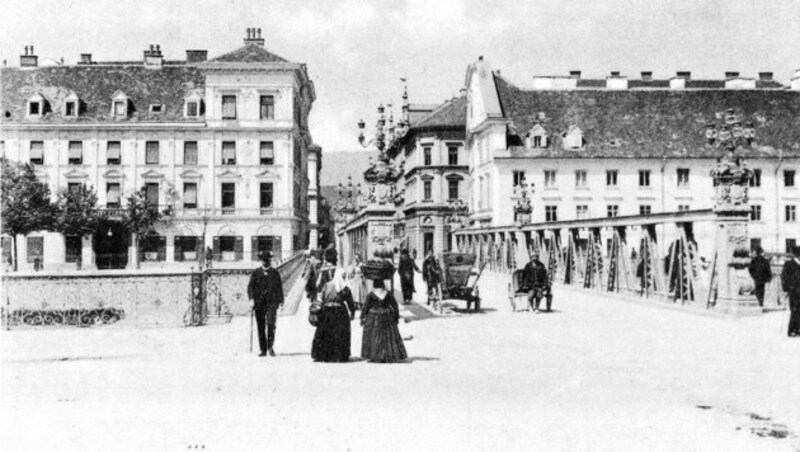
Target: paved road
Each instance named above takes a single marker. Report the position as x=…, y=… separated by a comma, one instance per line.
x=597, y=374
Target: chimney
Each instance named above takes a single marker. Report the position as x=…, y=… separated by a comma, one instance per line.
x=254, y=37
x=647, y=76
x=86, y=58
x=153, y=57
x=684, y=75
x=765, y=76
x=194, y=56
x=575, y=74
x=29, y=59
x=615, y=73
x=731, y=74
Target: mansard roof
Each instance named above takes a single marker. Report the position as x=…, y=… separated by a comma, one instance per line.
x=95, y=85
x=649, y=123
x=250, y=53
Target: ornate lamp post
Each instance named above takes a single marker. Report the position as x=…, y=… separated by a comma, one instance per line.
x=385, y=133
x=349, y=202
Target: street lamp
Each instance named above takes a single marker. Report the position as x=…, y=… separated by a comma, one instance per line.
x=385, y=129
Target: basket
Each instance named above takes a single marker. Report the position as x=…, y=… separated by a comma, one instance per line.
x=377, y=270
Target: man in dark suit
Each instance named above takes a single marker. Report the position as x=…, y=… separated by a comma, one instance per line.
x=265, y=291
x=790, y=279
x=761, y=272
x=536, y=281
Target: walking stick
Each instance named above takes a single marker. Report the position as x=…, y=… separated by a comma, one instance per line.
x=252, y=314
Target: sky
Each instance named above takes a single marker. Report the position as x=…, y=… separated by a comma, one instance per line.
x=357, y=50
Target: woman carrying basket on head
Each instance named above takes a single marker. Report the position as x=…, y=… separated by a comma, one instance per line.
x=332, y=339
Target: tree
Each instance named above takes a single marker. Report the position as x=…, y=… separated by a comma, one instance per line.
x=141, y=217
x=26, y=205
x=76, y=213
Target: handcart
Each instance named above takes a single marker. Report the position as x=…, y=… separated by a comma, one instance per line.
x=460, y=279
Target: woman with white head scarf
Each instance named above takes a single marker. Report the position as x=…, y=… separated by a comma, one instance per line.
x=332, y=338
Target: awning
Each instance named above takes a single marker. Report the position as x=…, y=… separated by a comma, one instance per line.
x=75, y=150
x=190, y=194
x=113, y=194
x=228, y=151
x=113, y=150
x=267, y=150
x=37, y=150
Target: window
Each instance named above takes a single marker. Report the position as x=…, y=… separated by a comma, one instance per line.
x=452, y=155
x=112, y=195
x=113, y=153
x=34, y=108
x=427, y=155
x=267, y=153
x=550, y=178
x=581, y=212
x=756, y=180
x=684, y=207
x=153, y=248
x=266, y=199
x=452, y=189
x=71, y=108
x=645, y=209
x=189, y=195
x=267, y=107
x=518, y=177
x=190, y=152
x=612, y=210
x=35, y=249
x=791, y=244
x=537, y=141
x=644, y=178
x=428, y=189
x=791, y=213
x=151, y=194
x=228, y=198
x=683, y=177
x=550, y=213
x=188, y=248
x=73, y=248
x=156, y=108
x=37, y=152
x=228, y=107
x=611, y=178
x=580, y=178
x=75, y=153
x=755, y=212
x=193, y=109
x=228, y=152
x=755, y=244
x=120, y=109
x=228, y=248
x=74, y=187
x=151, y=153
x=788, y=178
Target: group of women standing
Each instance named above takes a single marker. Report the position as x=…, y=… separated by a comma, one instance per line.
x=339, y=293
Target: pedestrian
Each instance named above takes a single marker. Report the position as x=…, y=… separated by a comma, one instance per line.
x=357, y=282
x=265, y=291
x=330, y=254
x=432, y=274
x=761, y=272
x=406, y=268
x=790, y=280
x=536, y=281
x=311, y=273
x=381, y=341
x=332, y=338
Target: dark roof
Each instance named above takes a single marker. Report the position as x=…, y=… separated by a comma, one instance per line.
x=452, y=113
x=95, y=85
x=648, y=123
x=250, y=53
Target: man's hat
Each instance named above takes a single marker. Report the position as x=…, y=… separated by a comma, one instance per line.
x=265, y=256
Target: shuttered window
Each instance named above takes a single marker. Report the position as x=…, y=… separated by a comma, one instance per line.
x=151, y=194
x=228, y=152
x=267, y=153
x=189, y=195
x=267, y=107
x=190, y=153
x=113, y=153
x=75, y=152
x=112, y=195
x=228, y=107
x=37, y=152
x=151, y=153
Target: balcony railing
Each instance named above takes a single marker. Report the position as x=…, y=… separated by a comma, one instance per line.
x=119, y=212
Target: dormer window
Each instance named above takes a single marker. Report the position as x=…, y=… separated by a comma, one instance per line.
x=119, y=105
x=537, y=137
x=193, y=104
x=71, y=106
x=37, y=105
x=573, y=138
x=156, y=108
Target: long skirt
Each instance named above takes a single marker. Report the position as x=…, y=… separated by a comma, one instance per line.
x=381, y=341
x=332, y=338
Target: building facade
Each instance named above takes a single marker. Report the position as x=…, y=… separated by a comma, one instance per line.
x=223, y=144
x=435, y=178
x=588, y=148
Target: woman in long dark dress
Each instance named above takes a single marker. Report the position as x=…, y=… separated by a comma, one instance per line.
x=332, y=339
x=406, y=267
x=381, y=341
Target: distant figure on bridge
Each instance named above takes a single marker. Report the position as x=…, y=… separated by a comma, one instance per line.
x=332, y=339
x=406, y=268
x=265, y=291
x=357, y=282
x=432, y=274
x=311, y=273
x=790, y=279
x=761, y=272
x=536, y=281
